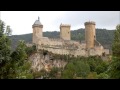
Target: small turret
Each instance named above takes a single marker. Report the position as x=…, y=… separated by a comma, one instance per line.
x=37, y=30
x=37, y=23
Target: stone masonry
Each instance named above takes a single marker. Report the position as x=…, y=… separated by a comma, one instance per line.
x=64, y=45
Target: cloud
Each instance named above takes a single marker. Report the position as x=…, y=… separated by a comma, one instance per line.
x=103, y=19
x=21, y=21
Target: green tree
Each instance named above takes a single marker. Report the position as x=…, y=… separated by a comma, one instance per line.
x=69, y=71
x=8, y=31
x=31, y=50
x=94, y=62
x=82, y=69
x=114, y=69
x=101, y=68
x=5, y=51
x=23, y=71
x=20, y=53
x=21, y=64
x=76, y=69
x=116, y=42
x=102, y=76
x=2, y=28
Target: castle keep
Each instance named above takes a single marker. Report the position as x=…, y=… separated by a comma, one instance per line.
x=65, y=32
x=90, y=35
x=64, y=45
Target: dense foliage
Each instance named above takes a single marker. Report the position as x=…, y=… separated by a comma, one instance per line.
x=5, y=52
x=13, y=64
x=114, y=69
x=77, y=68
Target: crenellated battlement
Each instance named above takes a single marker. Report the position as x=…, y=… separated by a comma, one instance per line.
x=65, y=25
x=90, y=23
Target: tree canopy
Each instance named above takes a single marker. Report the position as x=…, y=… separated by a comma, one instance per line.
x=114, y=69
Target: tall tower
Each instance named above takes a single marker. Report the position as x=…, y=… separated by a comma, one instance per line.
x=90, y=34
x=37, y=31
x=65, y=32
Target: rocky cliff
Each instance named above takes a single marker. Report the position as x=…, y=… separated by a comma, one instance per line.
x=45, y=60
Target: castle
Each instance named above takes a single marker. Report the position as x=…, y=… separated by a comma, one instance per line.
x=64, y=45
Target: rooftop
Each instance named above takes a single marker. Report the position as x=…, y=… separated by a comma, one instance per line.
x=37, y=22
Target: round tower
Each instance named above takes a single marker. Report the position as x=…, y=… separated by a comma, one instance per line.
x=37, y=31
x=65, y=33
x=90, y=34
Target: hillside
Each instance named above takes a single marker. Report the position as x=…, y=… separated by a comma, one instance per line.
x=105, y=37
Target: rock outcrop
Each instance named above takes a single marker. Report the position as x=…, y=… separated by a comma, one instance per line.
x=40, y=61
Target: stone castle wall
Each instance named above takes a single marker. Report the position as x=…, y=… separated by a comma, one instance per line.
x=49, y=42
x=59, y=46
x=75, y=52
x=64, y=45
x=57, y=42
x=106, y=51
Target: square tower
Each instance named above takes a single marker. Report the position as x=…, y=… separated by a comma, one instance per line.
x=65, y=33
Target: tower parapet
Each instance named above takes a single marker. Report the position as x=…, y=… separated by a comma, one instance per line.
x=90, y=23
x=65, y=25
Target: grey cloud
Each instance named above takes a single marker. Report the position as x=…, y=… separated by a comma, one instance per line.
x=103, y=19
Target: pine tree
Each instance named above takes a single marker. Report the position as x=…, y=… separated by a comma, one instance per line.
x=5, y=52
x=8, y=31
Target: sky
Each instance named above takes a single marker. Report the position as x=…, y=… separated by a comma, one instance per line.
x=21, y=21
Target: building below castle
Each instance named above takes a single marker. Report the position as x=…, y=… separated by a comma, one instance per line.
x=64, y=45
